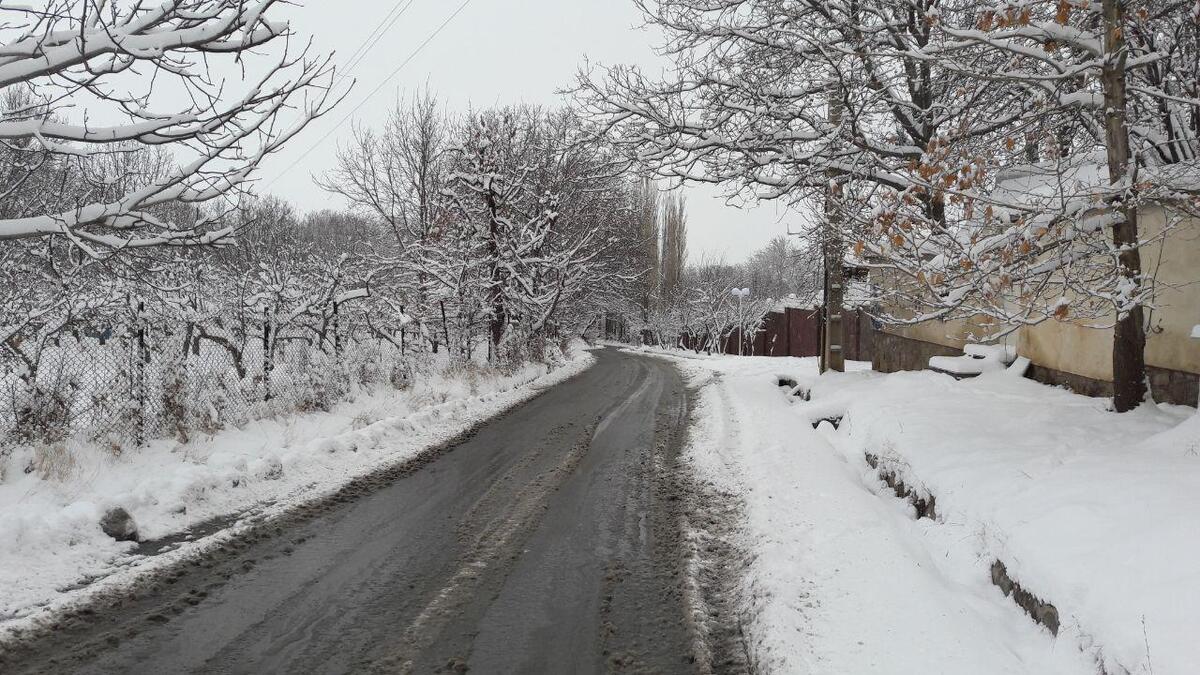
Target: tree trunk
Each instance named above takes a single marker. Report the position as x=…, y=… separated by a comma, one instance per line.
x=446, y=327
x=1129, y=334
x=496, y=291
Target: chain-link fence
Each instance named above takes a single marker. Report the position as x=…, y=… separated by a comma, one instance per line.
x=124, y=385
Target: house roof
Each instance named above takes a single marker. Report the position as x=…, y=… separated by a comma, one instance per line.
x=1086, y=177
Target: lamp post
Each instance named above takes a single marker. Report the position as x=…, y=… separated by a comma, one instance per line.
x=741, y=294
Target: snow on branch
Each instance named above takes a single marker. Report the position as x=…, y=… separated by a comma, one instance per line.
x=78, y=95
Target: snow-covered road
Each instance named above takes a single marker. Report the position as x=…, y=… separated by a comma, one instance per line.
x=50, y=537
x=585, y=532
x=549, y=540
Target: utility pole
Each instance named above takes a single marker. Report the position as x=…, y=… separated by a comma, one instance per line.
x=834, y=253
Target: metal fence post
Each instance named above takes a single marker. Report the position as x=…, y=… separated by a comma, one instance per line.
x=140, y=426
x=445, y=326
x=337, y=337
x=267, y=363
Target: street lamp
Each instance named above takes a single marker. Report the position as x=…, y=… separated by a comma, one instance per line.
x=741, y=294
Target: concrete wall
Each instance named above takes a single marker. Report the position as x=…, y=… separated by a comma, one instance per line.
x=955, y=334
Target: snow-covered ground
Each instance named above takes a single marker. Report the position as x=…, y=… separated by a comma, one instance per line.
x=1091, y=511
x=50, y=537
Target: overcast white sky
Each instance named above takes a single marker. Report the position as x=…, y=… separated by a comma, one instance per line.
x=494, y=52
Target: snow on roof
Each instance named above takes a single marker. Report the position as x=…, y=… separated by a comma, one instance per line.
x=858, y=293
x=1052, y=179
x=1082, y=180
x=794, y=301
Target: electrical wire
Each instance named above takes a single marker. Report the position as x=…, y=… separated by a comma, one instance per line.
x=385, y=24
x=376, y=90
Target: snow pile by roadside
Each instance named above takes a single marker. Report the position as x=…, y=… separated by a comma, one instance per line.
x=50, y=537
x=1094, y=512
x=841, y=577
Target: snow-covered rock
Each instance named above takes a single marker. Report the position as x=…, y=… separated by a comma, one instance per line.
x=118, y=524
x=976, y=359
x=267, y=468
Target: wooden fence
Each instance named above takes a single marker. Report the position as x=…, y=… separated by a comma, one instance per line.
x=796, y=332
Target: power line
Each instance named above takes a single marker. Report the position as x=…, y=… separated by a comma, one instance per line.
x=385, y=24
x=376, y=90
x=374, y=31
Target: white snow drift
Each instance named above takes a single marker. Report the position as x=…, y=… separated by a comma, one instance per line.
x=1087, y=509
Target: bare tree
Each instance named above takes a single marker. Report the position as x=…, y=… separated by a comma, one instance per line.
x=398, y=175
x=398, y=172
x=84, y=65
x=509, y=222
x=785, y=267
x=649, y=255
x=674, y=246
x=909, y=120
x=1104, y=75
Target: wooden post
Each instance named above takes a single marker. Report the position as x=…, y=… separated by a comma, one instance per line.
x=787, y=331
x=834, y=359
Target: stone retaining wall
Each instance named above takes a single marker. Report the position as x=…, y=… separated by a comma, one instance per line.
x=1038, y=609
x=896, y=352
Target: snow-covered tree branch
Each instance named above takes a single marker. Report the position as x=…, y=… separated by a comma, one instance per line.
x=89, y=83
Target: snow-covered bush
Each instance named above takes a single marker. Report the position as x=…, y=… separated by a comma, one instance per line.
x=53, y=460
x=41, y=404
x=196, y=396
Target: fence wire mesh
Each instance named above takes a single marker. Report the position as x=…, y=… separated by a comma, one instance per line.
x=124, y=385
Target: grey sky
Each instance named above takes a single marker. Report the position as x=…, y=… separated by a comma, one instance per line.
x=494, y=52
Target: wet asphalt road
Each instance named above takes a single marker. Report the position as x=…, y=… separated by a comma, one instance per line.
x=548, y=541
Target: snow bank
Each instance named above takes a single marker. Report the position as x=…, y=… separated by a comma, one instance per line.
x=842, y=579
x=1092, y=511
x=1088, y=510
x=976, y=359
x=50, y=536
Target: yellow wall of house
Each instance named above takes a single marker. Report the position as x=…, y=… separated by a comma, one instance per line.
x=1169, y=343
x=1073, y=348
x=1068, y=347
x=1175, y=264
